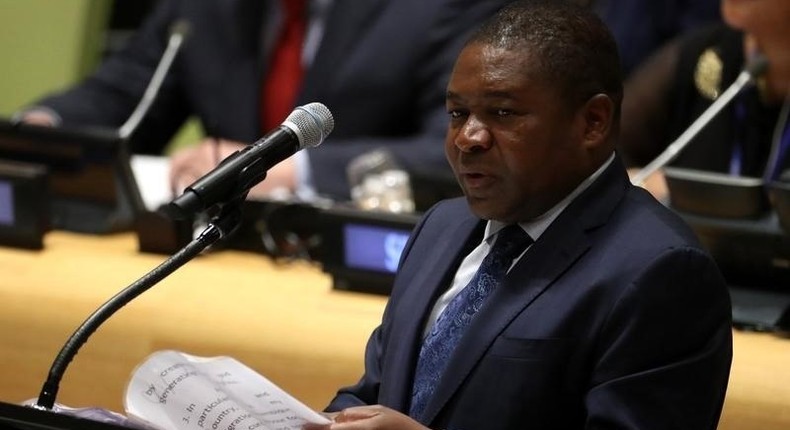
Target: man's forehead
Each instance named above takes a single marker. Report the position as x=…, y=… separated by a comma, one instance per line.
x=494, y=52
x=493, y=61
x=497, y=74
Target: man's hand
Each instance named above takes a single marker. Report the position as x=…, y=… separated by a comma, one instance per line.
x=189, y=164
x=39, y=117
x=374, y=417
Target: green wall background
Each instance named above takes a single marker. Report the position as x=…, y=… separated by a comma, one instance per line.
x=47, y=45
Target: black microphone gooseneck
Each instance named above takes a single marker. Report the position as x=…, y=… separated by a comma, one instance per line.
x=224, y=188
x=753, y=69
x=212, y=233
x=46, y=399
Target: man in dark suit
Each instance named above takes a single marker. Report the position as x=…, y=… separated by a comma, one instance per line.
x=640, y=27
x=613, y=318
x=380, y=66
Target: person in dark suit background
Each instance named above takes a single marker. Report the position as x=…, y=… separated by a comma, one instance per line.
x=751, y=136
x=380, y=66
x=613, y=317
x=642, y=27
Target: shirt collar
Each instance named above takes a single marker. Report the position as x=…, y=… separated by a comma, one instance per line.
x=536, y=227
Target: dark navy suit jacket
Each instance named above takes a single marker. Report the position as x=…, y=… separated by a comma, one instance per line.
x=614, y=318
x=381, y=69
x=640, y=27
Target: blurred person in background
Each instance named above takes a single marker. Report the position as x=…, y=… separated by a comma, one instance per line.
x=380, y=66
x=751, y=136
x=640, y=27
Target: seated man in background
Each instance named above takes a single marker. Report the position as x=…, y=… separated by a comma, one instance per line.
x=556, y=295
x=380, y=67
x=751, y=136
x=640, y=27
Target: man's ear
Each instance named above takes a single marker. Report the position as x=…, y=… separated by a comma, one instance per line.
x=598, y=114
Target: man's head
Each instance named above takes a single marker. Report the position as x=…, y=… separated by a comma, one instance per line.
x=534, y=101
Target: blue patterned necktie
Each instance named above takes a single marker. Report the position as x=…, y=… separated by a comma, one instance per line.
x=440, y=342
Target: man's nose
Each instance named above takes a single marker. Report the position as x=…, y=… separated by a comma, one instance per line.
x=474, y=136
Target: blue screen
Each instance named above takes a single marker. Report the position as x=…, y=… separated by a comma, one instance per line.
x=373, y=248
x=6, y=203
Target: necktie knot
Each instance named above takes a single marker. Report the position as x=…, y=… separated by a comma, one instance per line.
x=510, y=243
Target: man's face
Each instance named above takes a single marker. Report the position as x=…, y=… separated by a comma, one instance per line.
x=513, y=143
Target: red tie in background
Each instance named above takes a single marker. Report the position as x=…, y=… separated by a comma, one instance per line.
x=282, y=81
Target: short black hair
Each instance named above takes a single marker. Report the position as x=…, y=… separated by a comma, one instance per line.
x=572, y=48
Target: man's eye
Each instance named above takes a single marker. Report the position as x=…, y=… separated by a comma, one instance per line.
x=504, y=112
x=455, y=114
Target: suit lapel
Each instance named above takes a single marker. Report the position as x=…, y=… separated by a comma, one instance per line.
x=417, y=304
x=241, y=22
x=241, y=60
x=346, y=24
x=555, y=252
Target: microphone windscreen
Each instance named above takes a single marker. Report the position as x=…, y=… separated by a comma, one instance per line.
x=312, y=123
x=757, y=65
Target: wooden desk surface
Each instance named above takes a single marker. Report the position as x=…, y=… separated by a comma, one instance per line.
x=285, y=322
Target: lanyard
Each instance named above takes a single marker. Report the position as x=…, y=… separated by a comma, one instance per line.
x=736, y=159
x=781, y=144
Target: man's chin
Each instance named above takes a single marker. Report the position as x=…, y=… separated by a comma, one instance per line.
x=498, y=210
x=484, y=207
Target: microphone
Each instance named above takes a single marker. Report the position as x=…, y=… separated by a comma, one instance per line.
x=178, y=33
x=306, y=127
x=756, y=67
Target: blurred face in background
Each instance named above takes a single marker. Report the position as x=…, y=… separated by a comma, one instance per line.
x=766, y=25
x=755, y=16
